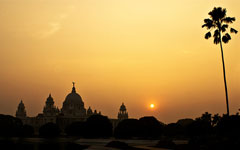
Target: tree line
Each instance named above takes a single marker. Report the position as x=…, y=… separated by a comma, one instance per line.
x=98, y=126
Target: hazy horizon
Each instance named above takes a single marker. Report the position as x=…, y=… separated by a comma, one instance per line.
x=137, y=52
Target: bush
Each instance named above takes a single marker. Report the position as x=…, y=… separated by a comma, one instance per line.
x=10, y=126
x=76, y=129
x=27, y=131
x=49, y=130
x=200, y=128
x=229, y=126
x=150, y=127
x=98, y=126
x=173, y=129
x=128, y=128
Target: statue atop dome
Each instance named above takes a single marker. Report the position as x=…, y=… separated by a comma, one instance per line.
x=73, y=88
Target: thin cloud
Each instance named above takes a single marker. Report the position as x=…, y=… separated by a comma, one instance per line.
x=55, y=26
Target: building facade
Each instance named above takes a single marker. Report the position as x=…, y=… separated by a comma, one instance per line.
x=72, y=110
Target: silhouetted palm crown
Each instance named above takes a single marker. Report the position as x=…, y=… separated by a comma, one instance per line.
x=220, y=21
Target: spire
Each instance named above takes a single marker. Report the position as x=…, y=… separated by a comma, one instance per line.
x=73, y=88
x=21, y=104
x=49, y=99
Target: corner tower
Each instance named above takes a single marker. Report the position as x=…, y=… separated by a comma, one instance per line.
x=123, y=114
x=49, y=109
x=21, y=112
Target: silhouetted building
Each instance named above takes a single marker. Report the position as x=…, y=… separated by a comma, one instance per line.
x=21, y=112
x=72, y=110
x=89, y=111
x=49, y=109
x=123, y=114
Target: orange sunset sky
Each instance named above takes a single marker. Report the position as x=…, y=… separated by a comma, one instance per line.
x=133, y=51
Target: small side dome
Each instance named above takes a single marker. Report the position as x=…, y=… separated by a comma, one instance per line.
x=89, y=111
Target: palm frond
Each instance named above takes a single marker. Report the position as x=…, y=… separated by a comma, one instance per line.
x=226, y=38
x=216, y=34
x=228, y=19
x=224, y=27
x=216, y=40
x=208, y=23
x=232, y=30
x=208, y=35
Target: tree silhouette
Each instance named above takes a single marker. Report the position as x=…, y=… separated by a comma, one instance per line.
x=98, y=126
x=76, y=129
x=215, y=119
x=219, y=21
x=128, y=128
x=229, y=126
x=49, y=130
x=10, y=126
x=150, y=127
x=27, y=130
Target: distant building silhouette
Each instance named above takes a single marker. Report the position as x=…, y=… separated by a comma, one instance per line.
x=49, y=109
x=21, y=112
x=50, y=112
x=72, y=110
x=89, y=112
x=123, y=114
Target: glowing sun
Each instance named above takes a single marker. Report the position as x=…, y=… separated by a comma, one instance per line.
x=152, y=105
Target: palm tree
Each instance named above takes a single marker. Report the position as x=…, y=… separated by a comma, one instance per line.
x=220, y=23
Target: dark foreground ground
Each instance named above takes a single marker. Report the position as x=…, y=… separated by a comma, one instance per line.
x=78, y=144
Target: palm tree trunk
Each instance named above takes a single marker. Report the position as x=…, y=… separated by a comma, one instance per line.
x=224, y=75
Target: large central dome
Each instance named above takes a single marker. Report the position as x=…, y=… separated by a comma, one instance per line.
x=73, y=98
x=73, y=105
